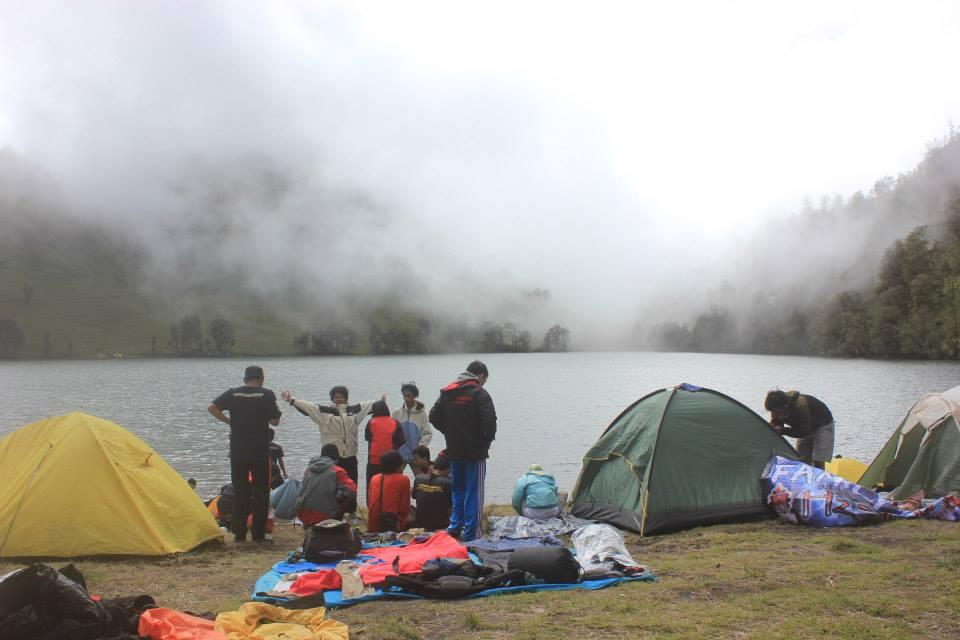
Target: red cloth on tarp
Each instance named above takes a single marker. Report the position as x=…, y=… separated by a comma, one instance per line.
x=315, y=581
x=167, y=624
x=411, y=559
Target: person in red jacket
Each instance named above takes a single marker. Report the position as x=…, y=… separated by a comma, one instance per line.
x=384, y=434
x=389, y=496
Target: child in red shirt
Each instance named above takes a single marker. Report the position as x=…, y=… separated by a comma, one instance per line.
x=389, y=495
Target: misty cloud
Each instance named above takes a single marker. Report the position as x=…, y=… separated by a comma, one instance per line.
x=318, y=152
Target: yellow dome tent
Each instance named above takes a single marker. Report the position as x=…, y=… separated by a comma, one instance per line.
x=78, y=485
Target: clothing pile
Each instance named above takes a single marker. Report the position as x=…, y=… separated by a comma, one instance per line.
x=438, y=566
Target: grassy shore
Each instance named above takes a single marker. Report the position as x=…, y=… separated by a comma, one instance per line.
x=759, y=580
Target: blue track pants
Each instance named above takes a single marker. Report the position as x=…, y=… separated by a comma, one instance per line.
x=467, y=480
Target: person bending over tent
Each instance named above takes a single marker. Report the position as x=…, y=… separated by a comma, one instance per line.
x=326, y=492
x=805, y=418
x=389, y=495
x=535, y=494
x=338, y=424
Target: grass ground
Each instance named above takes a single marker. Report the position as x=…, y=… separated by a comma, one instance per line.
x=759, y=580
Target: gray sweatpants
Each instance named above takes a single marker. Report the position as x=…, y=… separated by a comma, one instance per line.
x=817, y=447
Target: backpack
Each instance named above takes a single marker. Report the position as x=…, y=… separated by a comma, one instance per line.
x=411, y=440
x=330, y=541
x=449, y=587
x=283, y=499
x=553, y=565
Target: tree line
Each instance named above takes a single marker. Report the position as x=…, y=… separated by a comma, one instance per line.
x=911, y=309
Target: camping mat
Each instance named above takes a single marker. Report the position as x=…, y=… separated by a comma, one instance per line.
x=335, y=599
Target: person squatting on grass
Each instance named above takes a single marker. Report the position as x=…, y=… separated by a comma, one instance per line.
x=389, y=495
x=465, y=414
x=535, y=494
x=432, y=492
x=326, y=492
x=252, y=408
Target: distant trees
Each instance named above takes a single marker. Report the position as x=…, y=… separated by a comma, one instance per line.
x=223, y=336
x=557, y=338
x=12, y=338
x=329, y=341
x=186, y=337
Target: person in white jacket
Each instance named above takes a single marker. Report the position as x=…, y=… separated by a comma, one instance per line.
x=339, y=424
x=412, y=416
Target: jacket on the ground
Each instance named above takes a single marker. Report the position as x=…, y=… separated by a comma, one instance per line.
x=396, y=499
x=324, y=487
x=410, y=419
x=805, y=414
x=465, y=415
x=535, y=489
x=338, y=425
x=383, y=433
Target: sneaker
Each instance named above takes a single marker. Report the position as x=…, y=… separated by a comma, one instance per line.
x=263, y=541
x=239, y=539
x=454, y=533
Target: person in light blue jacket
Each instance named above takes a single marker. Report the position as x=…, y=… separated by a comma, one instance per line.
x=535, y=494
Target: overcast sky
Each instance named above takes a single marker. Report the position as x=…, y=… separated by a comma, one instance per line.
x=596, y=149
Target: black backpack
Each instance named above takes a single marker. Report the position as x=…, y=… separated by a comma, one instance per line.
x=451, y=587
x=553, y=565
x=331, y=541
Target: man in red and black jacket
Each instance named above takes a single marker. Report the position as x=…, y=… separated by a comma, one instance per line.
x=465, y=415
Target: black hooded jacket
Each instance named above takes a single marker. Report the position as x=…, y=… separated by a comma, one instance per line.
x=465, y=415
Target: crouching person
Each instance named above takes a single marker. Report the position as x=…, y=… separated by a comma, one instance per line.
x=389, y=497
x=432, y=491
x=535, y=494
x=327, y=491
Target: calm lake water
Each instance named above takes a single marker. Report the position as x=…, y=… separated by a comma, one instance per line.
x=551, y=407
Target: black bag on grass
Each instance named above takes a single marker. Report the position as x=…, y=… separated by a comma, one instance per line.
x=330, y=541
x=553, y=565
x=451, y=587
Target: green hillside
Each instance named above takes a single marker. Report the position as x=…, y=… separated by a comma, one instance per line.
x=87, y=303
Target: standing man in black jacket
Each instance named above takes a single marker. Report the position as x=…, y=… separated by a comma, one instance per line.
x=465, y=415
x=252, y=410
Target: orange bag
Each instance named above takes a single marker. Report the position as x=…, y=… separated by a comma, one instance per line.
x=167, y=624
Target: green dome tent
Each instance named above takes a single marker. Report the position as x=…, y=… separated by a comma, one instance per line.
x=923, y=454
x=676, y=458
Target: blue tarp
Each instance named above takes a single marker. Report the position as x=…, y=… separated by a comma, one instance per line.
x=334, y=599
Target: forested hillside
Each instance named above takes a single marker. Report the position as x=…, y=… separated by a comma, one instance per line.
x=876, y=275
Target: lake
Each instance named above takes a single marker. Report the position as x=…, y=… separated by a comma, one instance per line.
x=551, y=407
